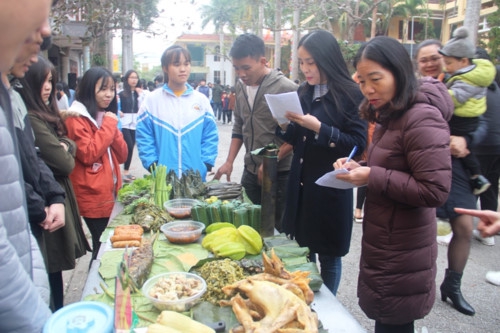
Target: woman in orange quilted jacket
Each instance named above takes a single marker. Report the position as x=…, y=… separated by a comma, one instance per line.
x=92, y=124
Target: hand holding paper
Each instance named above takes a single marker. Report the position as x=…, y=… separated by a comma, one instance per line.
x=354, y=176
x=279, y=104
x=330, y=180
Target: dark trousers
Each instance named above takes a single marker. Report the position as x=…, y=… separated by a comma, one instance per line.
x=226, y=115
x=96, y=227
x=386, y=328
x=129, y=137
x=250, y=182
x=490, y=168
x=217, y=110
x=56, y=291
x=360, y=197
x=463, y=126
x=331, y=270
x=471, y=164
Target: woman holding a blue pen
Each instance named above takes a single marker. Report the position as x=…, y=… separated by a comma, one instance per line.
x=408, y=174
x=321, y=217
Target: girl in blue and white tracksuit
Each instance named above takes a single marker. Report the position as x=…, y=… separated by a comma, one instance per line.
x=177, y=131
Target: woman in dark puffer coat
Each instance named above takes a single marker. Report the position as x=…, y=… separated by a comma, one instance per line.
x=408, y=174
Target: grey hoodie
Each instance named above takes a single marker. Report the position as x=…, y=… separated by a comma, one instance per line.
x=256, y=126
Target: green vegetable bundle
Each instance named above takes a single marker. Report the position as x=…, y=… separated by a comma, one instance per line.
x=139, y=188
x=161, y=188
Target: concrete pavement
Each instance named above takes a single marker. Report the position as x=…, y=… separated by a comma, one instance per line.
x=484, y=297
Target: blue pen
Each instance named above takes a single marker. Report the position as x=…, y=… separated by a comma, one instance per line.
x=351, y=155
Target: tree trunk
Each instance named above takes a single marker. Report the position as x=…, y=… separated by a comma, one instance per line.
x=260, y=33
x=222, y=57
x=404, y=38
x=277, y=36
x=471, y=21
x=127, y=50
x=352, y=22
x=109, y=51
x=373, y=30
x=295, y=41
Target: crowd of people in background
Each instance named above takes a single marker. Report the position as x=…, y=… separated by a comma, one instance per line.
x=425, y=156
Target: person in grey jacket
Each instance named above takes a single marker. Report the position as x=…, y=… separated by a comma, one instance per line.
x=22, y=308
x=254, y=125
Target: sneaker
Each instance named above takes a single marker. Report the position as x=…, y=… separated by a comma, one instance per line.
x=479, y=184
x=493, y=278
x=490, y=241
x=444, y=240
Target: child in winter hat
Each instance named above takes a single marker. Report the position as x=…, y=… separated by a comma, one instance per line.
x=460, y=46
x=467, y=82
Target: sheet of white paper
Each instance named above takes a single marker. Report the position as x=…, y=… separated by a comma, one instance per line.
x=330, y=180
x=279, y=104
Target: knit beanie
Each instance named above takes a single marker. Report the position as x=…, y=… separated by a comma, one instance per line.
x=460, y=46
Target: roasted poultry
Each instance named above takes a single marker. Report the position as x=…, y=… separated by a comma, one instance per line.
x=274, y=308
x=276, y=300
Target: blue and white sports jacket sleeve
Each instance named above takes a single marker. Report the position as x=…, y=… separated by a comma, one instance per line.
x=145, y=139
x=210, y=139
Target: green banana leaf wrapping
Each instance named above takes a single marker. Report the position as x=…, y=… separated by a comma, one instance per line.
x=227, y=212
x=240, y=217
x=150, y=217
x=315, y=276
x=255, y=217
x=279, y=240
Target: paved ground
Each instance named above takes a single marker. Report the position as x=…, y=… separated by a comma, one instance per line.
x=484, y=297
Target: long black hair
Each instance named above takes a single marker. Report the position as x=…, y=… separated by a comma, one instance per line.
x=325, y=51
x=392, y=56
x=31, y=93
x=127, y=89
x=87, y=86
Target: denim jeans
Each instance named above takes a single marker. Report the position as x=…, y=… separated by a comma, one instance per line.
x=217, y=110
x=331, y=270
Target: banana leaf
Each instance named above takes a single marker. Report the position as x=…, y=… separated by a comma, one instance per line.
x=286, y=251
x=278, y=240
x=292, y=261
x=315, y=276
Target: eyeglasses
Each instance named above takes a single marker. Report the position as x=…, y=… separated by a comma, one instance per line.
x=434, y=59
